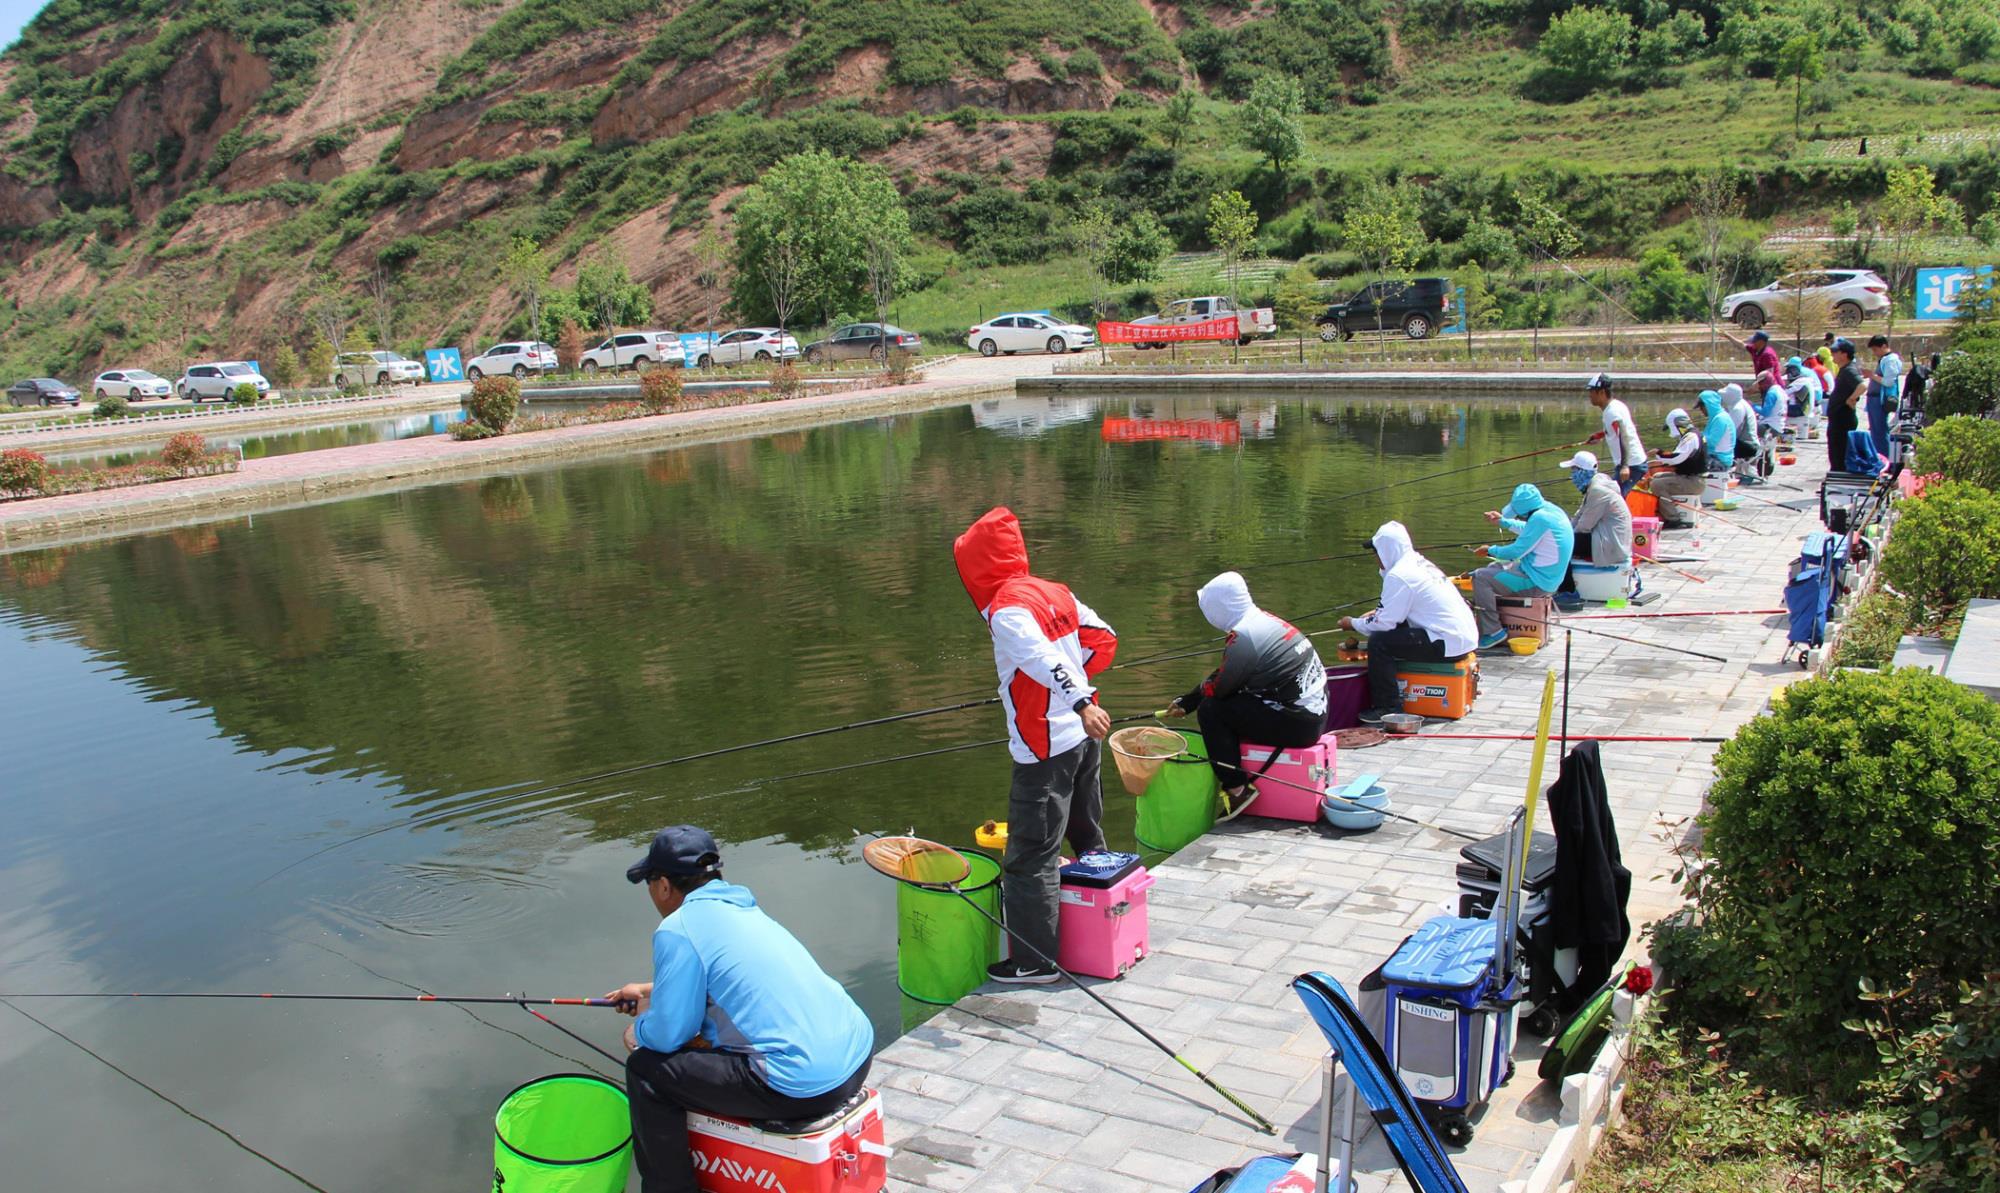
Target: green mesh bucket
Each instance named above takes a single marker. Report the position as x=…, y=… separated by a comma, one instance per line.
x=942, y=946
x=564, y=1134
x=1179, y=804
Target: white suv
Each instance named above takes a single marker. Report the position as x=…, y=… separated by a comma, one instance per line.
x=519, y=357
x=1855, y=294
x=635, y=350
x=753, y=344
x=218, y=379
x=359, y=369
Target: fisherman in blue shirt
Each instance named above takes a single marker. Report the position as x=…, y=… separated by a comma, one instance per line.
x=739, y=1020
x=1534, y=563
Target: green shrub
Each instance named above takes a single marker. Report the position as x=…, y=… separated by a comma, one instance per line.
x=660, y=390
x=185, y=452
x=1588, y=47
x=467, y=429
x=1945, y=1077
x=1872, y=630
x=1966, y=383
x=243, y=395
x=1962, y=449
x=1945, y=549
x=901, y=367
x=112, y=406
x=23, y=472
x=492, y=402
x=785, y=381
x=1853, y=834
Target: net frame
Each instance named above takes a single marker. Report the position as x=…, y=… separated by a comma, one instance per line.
x=917, y=862
x=1136, y=769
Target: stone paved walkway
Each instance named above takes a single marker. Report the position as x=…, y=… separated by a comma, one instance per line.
x=1040, y=1089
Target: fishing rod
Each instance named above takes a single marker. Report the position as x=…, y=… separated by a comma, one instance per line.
x=1681, y=572
x=1713, y=658
x=450, y=1000
x=1677, y=613
x=1458, y=471
x=1702, y=513
x=1613, y=737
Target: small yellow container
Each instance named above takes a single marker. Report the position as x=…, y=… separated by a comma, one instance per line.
x=991, y=835
x=1524, y=645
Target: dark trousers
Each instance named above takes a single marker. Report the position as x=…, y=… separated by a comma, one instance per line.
x=1839, y=423
x=1386, y=648
x=664, y=1086
x=1060, y=797
x=1229, y=721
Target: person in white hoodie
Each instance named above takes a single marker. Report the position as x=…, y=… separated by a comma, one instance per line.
x=1270, y=688
x=1421, y=618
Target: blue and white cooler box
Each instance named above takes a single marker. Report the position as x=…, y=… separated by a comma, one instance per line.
x=1449, y=1026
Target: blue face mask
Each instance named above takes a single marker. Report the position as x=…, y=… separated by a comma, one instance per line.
x=1581, y=477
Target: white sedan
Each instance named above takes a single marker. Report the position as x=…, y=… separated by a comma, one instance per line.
x=135, y=384
x=1030, y=331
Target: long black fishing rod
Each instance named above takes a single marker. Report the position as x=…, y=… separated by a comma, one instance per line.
x=1416, y=480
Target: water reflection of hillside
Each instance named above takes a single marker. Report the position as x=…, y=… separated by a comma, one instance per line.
x=518, y=629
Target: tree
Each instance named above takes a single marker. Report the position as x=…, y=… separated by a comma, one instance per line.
x=1549, y=232
x=1911, y=211
x=883, y=244
x=1667, y=292
x=605, y=291
x=284, y=367
x=711, y=255
x=569, y=346
x=1180, y=113
x=382, y=306
x=1271, y=122
x=525, y=269
x=1713, y=204
x=782, y=276
x=823, y=207
x=1800, y=310
x=1481, y=304
x=1382, y=230
x=1588, y=47
x=1121, y=252
x=1298, y=304
x=1232, y=229
x=319, y=361
x=331, y=313
x=1802, y=60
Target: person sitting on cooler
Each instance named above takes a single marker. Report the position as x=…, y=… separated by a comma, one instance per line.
x=739, y=1020
x=1603, y=525
x=1421, y=618
x=1534, y=563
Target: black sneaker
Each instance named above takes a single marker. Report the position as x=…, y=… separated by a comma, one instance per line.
x=1022, y=973
x=1373, y=717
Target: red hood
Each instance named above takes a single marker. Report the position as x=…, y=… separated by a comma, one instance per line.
x=990, y=553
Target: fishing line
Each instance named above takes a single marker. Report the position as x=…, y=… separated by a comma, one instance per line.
x=211, y=1124
x=1458, y=471
x=1700, y=365
x=572, y=1035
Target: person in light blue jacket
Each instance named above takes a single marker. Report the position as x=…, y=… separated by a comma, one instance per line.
x=739, y=1020
x=1534, y=563
x=1718, y=433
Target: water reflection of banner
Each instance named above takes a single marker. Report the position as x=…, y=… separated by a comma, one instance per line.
x=1201, y=430
x=1161, y=333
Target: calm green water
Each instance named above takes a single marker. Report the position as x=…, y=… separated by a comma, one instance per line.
x=296, y=752
x=284, y=443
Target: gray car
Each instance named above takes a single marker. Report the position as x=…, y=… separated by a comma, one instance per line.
x=42, y=391
x=855, y=340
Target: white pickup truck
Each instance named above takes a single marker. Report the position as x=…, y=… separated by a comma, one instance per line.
x=1249, y=323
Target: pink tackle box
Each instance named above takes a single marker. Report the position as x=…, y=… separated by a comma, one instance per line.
x=1293, y=786
x=1102, y=926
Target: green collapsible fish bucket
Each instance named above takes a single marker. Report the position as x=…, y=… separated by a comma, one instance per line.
x=569, y=1133
x=942, y=946
x=1179, y=804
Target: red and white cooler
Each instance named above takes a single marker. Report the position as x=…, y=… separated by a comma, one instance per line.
x=1292, y=787
x=841, y=1153
x=1102, y=924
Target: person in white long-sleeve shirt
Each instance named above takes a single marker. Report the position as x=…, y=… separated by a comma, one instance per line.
x=1620, y=436
x=1047, y=646
x=1422, y=617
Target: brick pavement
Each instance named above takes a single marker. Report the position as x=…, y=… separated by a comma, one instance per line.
x=1039, y=1089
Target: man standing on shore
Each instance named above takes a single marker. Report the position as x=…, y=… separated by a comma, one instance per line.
x=1763, y=357
x=1885, y=391
x=1626, y=451
x=1046, y=645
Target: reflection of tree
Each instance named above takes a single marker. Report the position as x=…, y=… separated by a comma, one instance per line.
x=195, y=540
x=459, y=639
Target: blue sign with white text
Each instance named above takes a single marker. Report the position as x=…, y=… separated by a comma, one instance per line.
x=1938, y=290
x=443, y=364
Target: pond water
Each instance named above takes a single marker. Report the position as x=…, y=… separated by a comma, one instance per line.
x=282, y=443
x=308, y=751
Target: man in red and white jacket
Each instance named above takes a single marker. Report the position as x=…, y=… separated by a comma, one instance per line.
x=1046, y=645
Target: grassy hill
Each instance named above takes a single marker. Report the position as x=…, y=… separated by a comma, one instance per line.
x=188, y=177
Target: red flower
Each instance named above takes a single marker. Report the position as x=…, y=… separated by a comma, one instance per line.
x=1639, y=979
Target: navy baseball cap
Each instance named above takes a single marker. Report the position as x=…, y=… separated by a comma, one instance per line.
x=681, y=851
x=1760, y=337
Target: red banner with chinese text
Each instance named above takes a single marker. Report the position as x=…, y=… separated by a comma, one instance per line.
x=1224, y=328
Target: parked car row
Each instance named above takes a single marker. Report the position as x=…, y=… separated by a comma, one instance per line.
x=213, y=379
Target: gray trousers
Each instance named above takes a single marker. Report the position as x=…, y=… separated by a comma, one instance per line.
x=1488, y=588
x=1685, y=489
x=1048, y=801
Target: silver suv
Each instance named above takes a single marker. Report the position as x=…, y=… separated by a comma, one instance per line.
x=218, y=379
x=360, y=369
x=1854, y=294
